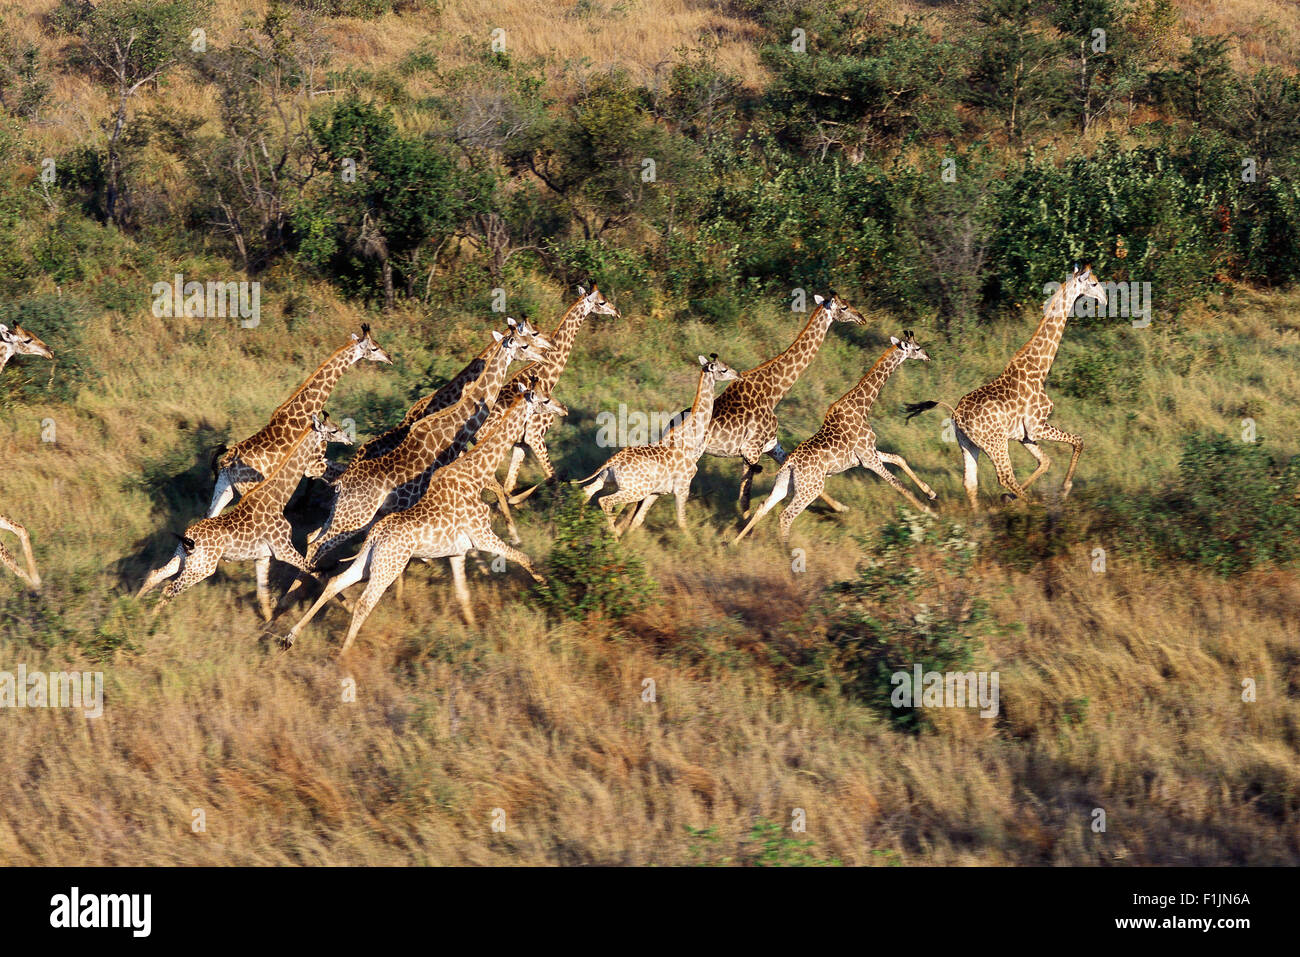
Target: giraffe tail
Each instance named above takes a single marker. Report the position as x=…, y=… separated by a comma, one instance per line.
x=913, y=409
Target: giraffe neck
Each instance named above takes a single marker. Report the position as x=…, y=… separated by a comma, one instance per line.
x=482, y=460
x=488, y=384
x=557, y=357
x=277, y=487
x=310, y=397
x=863, y=395
x=696, y=425
x=779, y=374
x=451, y=392
x=1034, y=360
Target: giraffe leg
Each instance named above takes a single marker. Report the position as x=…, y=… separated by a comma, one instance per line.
x=639, y=513
x=784, y=478
x=611, y=503
x=503, y=506
x=780, y=454
x=1001, y=459
x=462, y=589
x=31, y=576
x=538, y=445
x=681, y=495
x=163, y=573
x=375, y=587
x=874, y=463
x=517, y=454
x=807, y=487
x=282, y=548
x=354, y=573
x=752, y=468
x=899, y=461
x=1052, y=434
x=970, y=453
x=1044, y=462
x=486, y=540
x=262, y=566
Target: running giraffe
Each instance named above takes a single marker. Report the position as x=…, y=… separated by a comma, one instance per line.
x=451, y=519
x=244, y=465
x=641, y=473
x=255, y=529
x=845, y=439
x=18, y=341
x=744, y=416
x=1015, y=404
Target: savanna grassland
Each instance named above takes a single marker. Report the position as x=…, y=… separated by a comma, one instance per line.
x=1121, y=679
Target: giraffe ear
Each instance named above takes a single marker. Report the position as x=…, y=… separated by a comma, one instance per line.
x=818, y=299
x=703, y=361
x=894, y=340
x=497, y=335
x=582, y=290
x=510, y=321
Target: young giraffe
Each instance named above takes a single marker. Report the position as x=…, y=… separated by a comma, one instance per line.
x=744, y=417
x=1015, y=404
x=255, y=529
x=547, y=374
x=245, y=464
x=446, y=396
x=451, y=519
x=642, y=473
x=18, y=341
x=372, y=488
x=845, y=439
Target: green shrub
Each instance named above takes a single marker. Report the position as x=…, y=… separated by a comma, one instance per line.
x=909, y=605
x=588, y=572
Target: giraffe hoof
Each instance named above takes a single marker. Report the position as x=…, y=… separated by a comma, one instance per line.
x=286, y=641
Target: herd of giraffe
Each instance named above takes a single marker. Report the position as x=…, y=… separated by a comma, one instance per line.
x=415, y=492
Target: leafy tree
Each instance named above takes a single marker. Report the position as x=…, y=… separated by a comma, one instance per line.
x=1015, y=74
x=409, y=195
x=1102, y=61
x=127, y=44
x=1201, y=84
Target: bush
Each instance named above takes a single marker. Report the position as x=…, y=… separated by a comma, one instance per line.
x=588, y=572
x=910, y=604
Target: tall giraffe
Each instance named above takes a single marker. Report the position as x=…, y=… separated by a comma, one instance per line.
x=547, y=374
x=371, y=488
x=744, y=416
x=18, y=341
x=446, y=396
x=246, y=463
x=1015, y=404
x=255, y=529
x=641, y=473
x=845, y=439
x=451, y=519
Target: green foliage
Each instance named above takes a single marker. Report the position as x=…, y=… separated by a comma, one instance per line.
x=1015, y=74
x=768, y=844
x=588, y=571
x=58, y=321
x=909, y=604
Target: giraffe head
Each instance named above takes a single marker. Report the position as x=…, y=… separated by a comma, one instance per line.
x=1084, y=283
x=596, y=304
x=838, y=309
x=22, y=342
x=538, y=403
x=326, y=432
x=518, y=346
x=720, y=370
x=907, y=345
x=364, y=347
x=526, y=329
